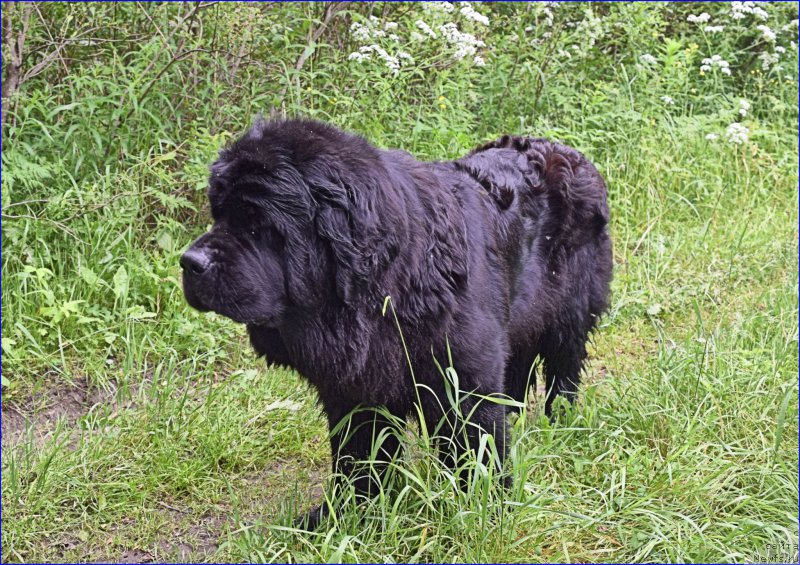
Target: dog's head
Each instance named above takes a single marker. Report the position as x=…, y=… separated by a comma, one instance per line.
x=297, y=208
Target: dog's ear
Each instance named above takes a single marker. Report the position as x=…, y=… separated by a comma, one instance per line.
x=305, y=269
x=351, y=219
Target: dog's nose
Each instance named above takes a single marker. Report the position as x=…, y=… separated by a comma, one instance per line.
x=195, y=261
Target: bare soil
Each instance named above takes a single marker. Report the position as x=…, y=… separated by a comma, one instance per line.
x=40, y=414
x=188, y=534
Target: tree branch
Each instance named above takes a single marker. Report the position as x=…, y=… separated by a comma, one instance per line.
x=314, y=34
x=15, y=46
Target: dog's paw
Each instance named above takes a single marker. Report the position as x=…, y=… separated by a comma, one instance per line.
x=312, y=519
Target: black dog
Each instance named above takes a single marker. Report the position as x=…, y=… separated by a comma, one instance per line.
x=493, y=260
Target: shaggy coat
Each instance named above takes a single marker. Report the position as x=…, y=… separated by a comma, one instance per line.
x=491, y=261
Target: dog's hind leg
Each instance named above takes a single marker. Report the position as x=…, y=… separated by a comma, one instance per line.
x=563, y=344
x=520, y=376
x=563, y=353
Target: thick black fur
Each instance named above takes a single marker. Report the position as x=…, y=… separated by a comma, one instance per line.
x=502, y=256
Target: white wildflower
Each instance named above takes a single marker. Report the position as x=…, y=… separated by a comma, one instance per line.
x=360, y=32
x=393, y=37
x=366, y=32
x=744, y=106
x=768, y=59
x=712, y=136
x=416, y=36
x=768, y=34
x=779, y=49
x=465, y=43
x=715, y=61
x=790, y=25
x=701, y=19
x=390, y=26
x=714, y=29
x=739, y=10
x=440, y=6
x=405, y=56
x=667, y=100
x=590, y=29
x=469, y=12
x=478, y=61
x=528, y=29
x=759, y=13
x=737, y=133
x=648, y=59
x=545, y=8
x=463, y=51
x=360, y=57
x=426, y=29
x=392, y=62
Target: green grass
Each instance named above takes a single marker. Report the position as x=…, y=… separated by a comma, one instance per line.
x=152, y=430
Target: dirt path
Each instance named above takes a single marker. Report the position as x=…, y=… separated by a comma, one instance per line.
x=186, y=530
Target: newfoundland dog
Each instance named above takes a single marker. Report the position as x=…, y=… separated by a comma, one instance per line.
x=487, y=262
